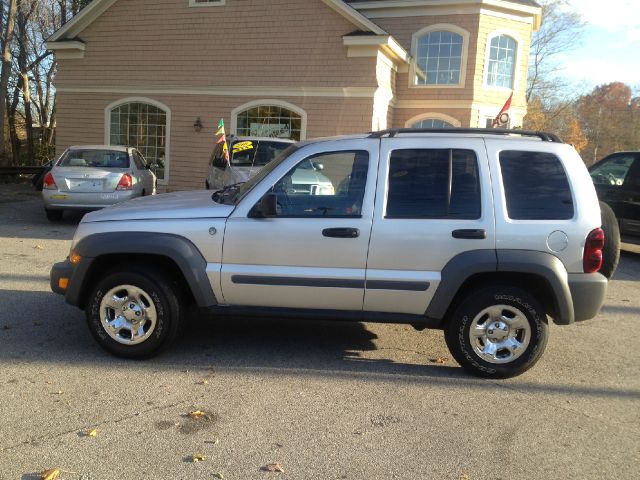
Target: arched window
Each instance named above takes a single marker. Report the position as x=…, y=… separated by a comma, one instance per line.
x=431, y=123
x=276, y=121
x=143, y=125
x=438, y=58
x=501, y=61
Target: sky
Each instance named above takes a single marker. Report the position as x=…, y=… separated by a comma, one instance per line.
x=609, y=50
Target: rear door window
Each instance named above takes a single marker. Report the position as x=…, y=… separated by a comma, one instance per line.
x=536, y=186
x=433, y=183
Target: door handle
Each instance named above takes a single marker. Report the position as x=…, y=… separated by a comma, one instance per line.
x=471, y=234
x=341, y=232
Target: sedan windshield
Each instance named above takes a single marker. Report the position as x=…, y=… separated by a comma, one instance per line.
x=94, y=158
x=246, y=153
x=246, y=187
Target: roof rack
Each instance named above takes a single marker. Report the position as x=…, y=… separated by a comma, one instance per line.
x=544, y=136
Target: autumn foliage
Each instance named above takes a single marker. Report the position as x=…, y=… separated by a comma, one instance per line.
x=604, y=121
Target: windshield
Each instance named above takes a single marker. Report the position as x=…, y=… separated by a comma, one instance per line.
x=247, y=153
x=94, y=158
x=246, y=187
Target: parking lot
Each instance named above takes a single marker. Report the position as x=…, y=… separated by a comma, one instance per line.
x=322, y=400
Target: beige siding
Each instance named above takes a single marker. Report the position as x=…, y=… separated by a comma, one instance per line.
x=244, y=43
x=81, y=121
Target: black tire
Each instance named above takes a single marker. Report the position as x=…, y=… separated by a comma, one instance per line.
x=53, y=215
x=159, y=290
x=611, y=250
x=460, y=345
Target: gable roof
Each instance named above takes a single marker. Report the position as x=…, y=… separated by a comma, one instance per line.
x=97, y=7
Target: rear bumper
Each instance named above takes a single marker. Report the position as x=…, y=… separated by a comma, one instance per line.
x=57, y=200
x=587, y=293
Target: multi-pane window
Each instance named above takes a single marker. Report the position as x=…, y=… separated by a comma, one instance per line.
x=144, y=127
x=535, y=186
x=433, y=183
x=438, y=58
x=502, y=61
x=431, y=123
x=269, y=121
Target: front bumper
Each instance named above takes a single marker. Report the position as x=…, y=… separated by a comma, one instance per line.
x=60, y=271
x=587, y=293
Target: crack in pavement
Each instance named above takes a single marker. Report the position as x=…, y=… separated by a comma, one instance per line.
x=90, y=426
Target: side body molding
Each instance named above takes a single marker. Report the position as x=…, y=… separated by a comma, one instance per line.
x=179, y=249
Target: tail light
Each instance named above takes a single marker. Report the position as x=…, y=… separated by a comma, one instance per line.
x=49, y=183
x=125, y=183
x=592, y=258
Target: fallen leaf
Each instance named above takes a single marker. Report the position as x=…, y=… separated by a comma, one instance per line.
x=202, y=382
x=438, y=360
x=38, y=247
x=59, y=392
x=50, y=474
x=464, y=476
x=215, y=442
x=198, y=458
x=91, y=433
x=197, y=414
x=273, y=467
x=218, y=475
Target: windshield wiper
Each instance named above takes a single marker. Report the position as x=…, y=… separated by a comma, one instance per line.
x=225, y=192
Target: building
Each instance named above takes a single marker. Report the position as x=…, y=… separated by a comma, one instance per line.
x=158, y=74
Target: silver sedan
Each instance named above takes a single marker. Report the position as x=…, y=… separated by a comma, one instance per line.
x=96, y=176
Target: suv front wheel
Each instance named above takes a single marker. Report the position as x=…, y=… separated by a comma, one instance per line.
x=497, y=332
x=134, y=313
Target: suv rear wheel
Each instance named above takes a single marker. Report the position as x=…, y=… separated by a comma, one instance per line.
x=497, y=332
x=611, y=250
x=134, y=313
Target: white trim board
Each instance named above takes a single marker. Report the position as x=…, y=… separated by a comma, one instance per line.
x=339, y=92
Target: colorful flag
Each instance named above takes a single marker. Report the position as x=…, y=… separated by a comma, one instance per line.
x=220, y=128
x=502, y=118
x=223, y=139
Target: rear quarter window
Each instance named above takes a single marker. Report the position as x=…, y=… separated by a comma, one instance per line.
x=536, y=186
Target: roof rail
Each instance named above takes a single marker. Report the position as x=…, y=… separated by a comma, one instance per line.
x=544, y=136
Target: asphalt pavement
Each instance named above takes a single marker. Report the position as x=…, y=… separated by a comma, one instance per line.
x=323, y=400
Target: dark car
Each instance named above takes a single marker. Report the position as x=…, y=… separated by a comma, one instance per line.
x=617, y=181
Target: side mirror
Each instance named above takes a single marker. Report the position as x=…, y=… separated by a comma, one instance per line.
x=268, y=207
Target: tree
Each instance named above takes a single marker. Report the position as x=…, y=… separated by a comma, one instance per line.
x=560, y=31
x=610, y=118
x=6, y=41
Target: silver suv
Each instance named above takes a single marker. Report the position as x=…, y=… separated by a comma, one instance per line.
x=486, y=234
